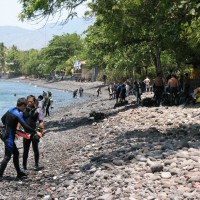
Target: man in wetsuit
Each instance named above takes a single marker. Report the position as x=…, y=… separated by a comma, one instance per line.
x=11, y=119
x=48, y=103
x=32, y=115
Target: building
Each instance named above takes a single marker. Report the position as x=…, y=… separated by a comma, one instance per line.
x=85, y=73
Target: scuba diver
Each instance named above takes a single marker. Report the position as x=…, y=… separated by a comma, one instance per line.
x=10, y=120
x=32, y=115
x=48, y=103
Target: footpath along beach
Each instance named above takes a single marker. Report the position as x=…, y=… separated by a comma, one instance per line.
x=135, y=153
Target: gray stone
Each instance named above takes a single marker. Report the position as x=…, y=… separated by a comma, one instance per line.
x=106, y=197
x=157, y=167
x=47, y=197
x=118, y=162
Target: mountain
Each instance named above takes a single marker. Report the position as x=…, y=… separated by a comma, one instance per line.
x=36, y=39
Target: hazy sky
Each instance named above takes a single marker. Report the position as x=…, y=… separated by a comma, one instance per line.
x=9, y=10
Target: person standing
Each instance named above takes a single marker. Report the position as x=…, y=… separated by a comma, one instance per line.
x=44, y=99
x=98, y=91
x=75, y=93
x=158, y=89
x=118, y=91
x=137, y=92
x=110, y=91
x=32, y=115
x=40, y=101
x=11, y=119
x=48, y=104
x=147, y=84
x=127, y=89
x=81, y=91
x=173, y=88
x=123, y=93
x=186, y=88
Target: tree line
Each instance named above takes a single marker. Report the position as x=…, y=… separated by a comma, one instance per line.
x=128, y=37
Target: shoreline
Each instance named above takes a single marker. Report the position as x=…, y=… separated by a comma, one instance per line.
x=67, y=85
x=134, y=153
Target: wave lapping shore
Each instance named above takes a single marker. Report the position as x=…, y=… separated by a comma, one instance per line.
x=135, y=153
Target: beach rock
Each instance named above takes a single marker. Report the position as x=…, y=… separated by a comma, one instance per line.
x=166, y=175
x=156, y=168
x=133, y=153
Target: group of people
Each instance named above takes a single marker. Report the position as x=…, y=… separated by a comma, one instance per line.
x=45, y=102
x=80, y=91
x=119, y=91
x=27, y=114
x=175, y=87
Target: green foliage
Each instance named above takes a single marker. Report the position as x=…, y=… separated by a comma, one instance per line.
x=40, y=9
x=59, y=50
x=151, y=72
x=127, y=35
x=32, y=63
x=144, y=33
x=113, y=75
x=2, y=55
x=13, y=59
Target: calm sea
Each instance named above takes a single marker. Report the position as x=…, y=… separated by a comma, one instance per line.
x=10, y=91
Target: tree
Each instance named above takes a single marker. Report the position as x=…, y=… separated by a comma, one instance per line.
x=13, y=59
x=2, y=55
x=32, y=63
x=43, y=9
x=130, y=34
x=59, y=50
x=150, y=27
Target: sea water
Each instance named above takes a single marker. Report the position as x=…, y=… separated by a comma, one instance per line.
x=10, y=91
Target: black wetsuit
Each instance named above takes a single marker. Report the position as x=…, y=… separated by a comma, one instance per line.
x=31, y=117
x=48, y=103
x=137, y=92
x=10, y=119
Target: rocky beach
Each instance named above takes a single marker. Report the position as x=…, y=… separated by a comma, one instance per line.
x=132, y=153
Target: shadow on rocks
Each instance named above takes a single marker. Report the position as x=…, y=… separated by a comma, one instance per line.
x=141, y=146
x=75, y=122
x=67, y=124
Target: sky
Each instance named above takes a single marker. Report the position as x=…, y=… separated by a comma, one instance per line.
x=10, y=9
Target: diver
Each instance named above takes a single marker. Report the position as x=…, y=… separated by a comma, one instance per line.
x=10, y=120
x=32, y=115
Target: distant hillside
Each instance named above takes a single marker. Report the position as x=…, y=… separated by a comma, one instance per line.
x=27, y=39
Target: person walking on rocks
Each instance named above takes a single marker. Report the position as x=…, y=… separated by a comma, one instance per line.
x=11, y=119
x=32, y=115
x=75, y=93
x=81, y=91
x=98, y=91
